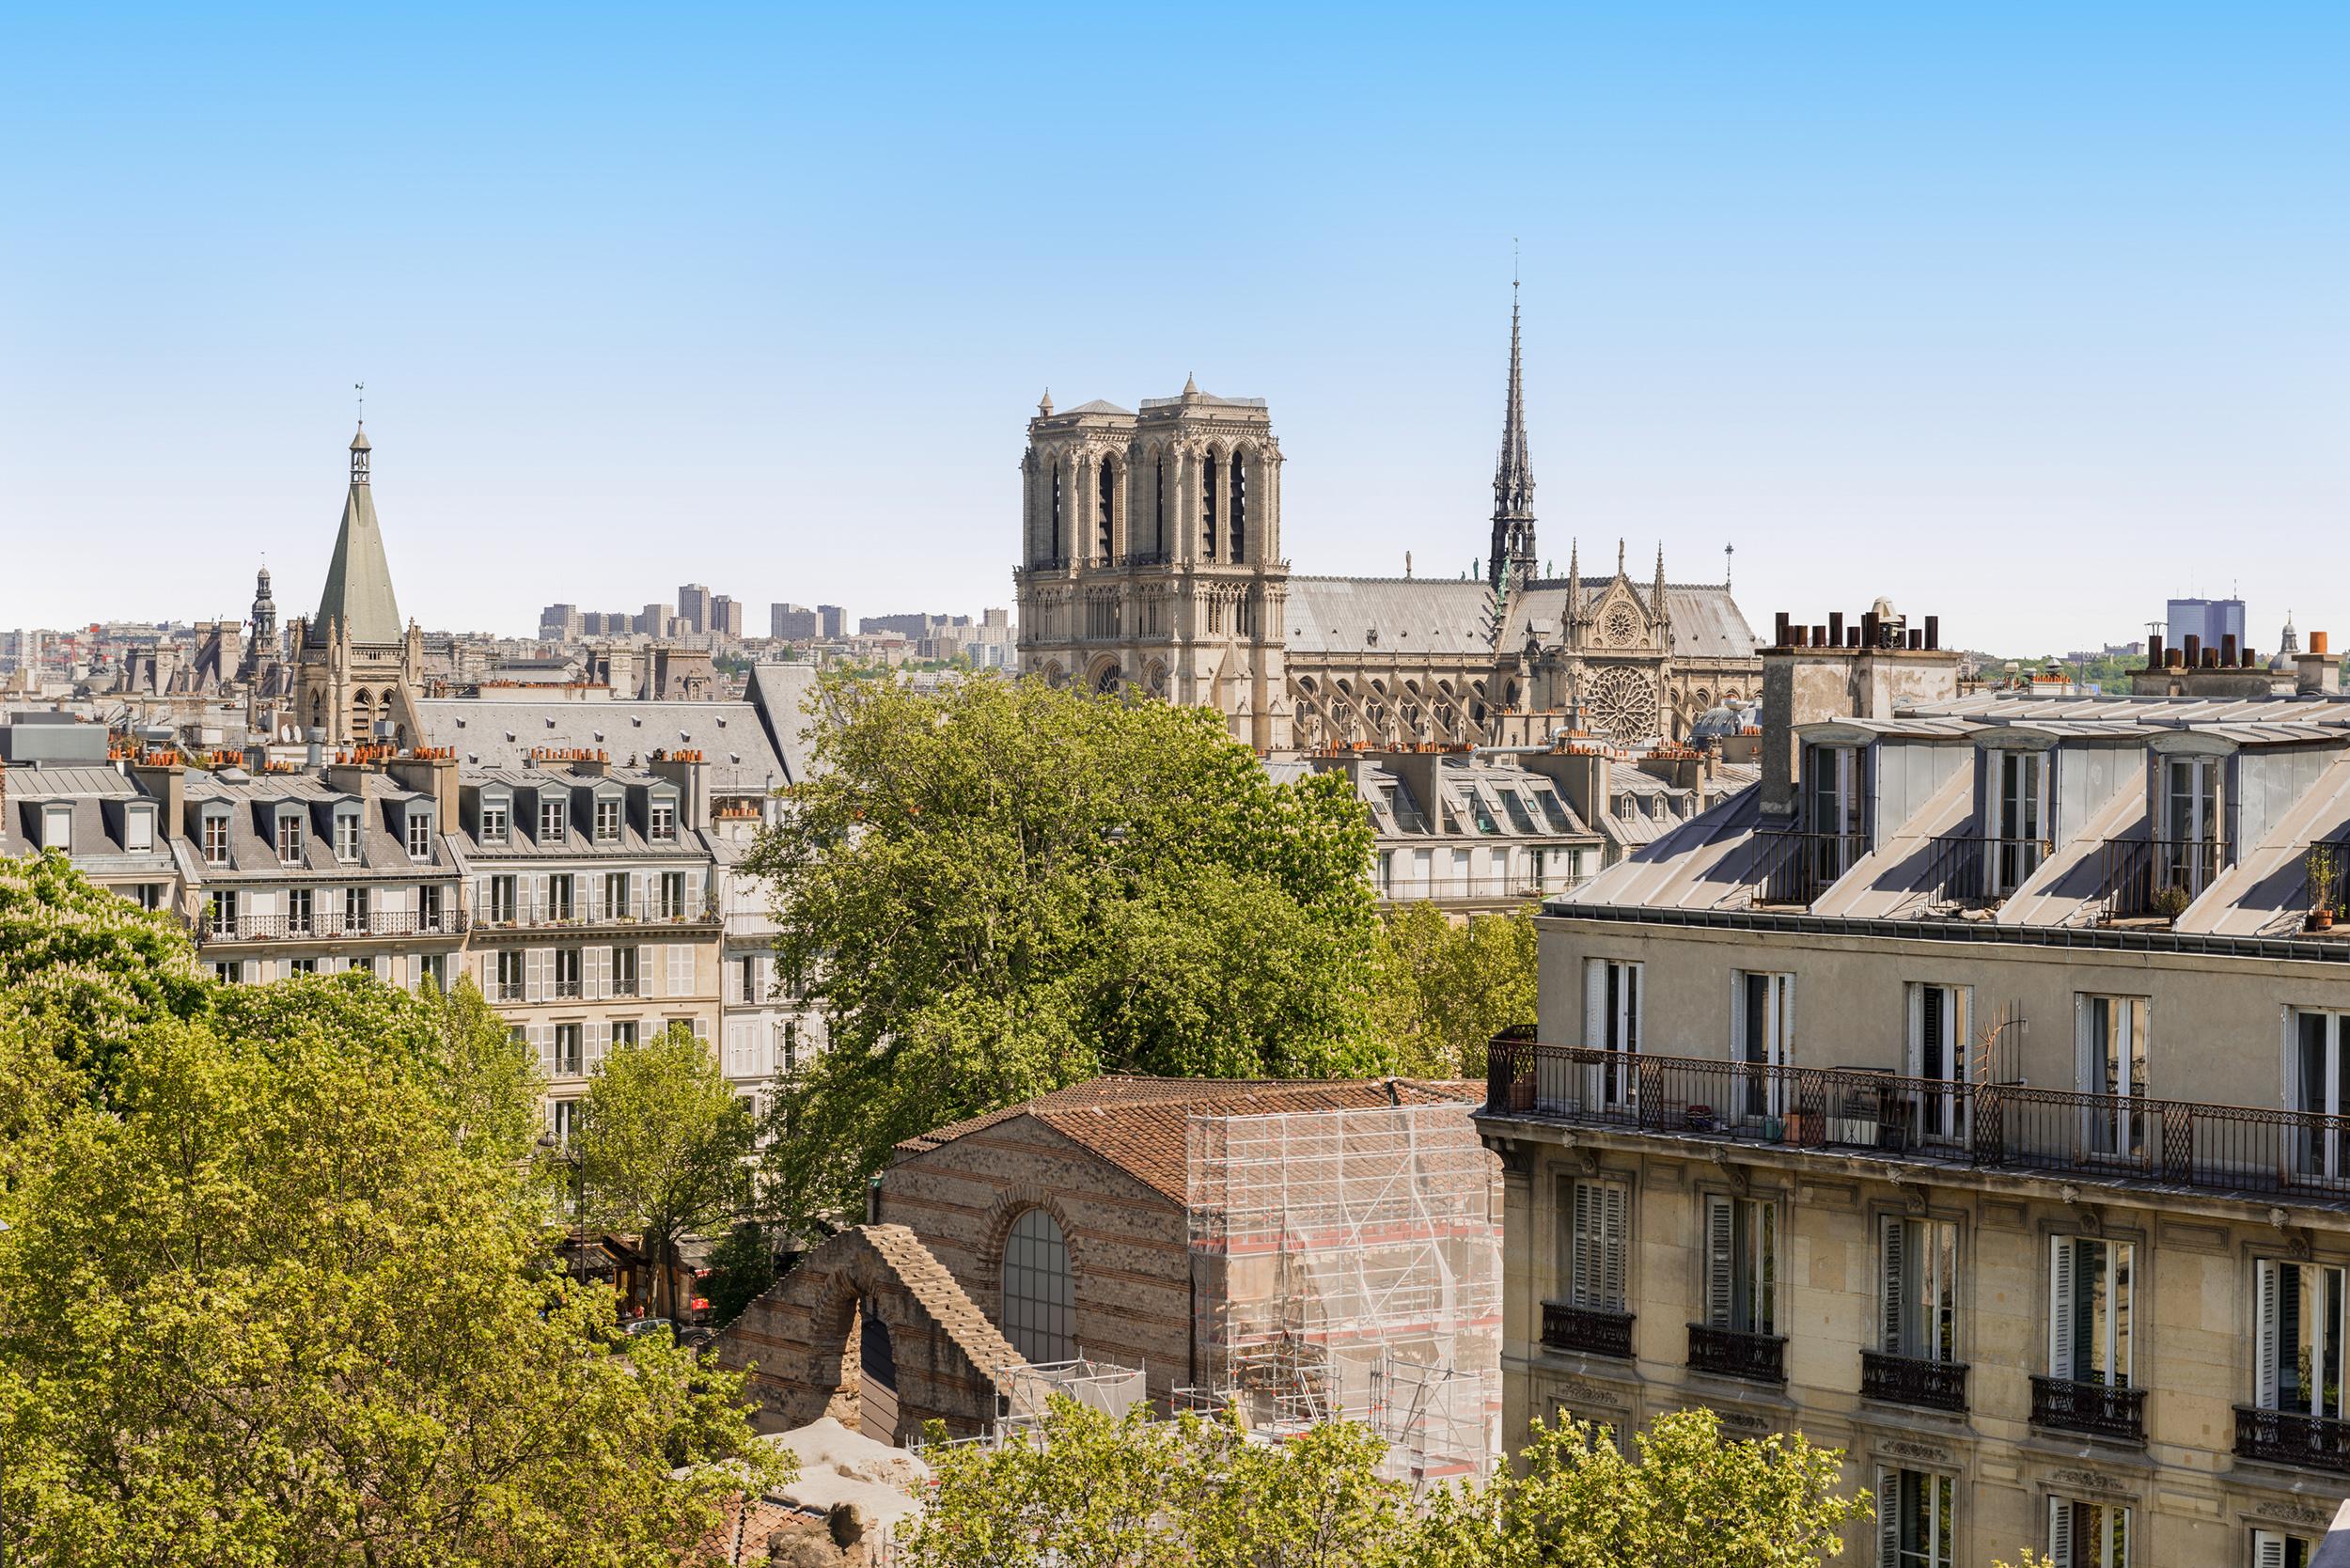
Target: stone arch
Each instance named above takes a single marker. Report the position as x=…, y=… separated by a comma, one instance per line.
x=1155, y=678
x=1106, y=677
x=799, y=1342
x=1053, y=674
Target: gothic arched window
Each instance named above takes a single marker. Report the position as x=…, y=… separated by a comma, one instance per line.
x=1158, y=507
x=1239, y=530
x=1040, y=1296
x=1207, y=506
x=1105, y=494
x=1055, y=554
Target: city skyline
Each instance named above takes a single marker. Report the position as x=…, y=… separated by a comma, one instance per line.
x=2076, y=300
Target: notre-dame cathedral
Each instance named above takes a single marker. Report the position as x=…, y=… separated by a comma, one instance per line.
x=1152, y=559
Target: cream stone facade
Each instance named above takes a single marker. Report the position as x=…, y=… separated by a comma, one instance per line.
x=1151, y=560
x=1967, y=1095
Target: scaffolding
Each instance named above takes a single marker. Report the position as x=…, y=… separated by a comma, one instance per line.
x=1350, y=1267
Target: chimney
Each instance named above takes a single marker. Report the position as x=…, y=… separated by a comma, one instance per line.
x=1581, y=774
x=165, y=782
x=430, y=770
x=1840, y=678
x=2316, y=671
x=2154, y=652
x=2194, y=647
x=316, y=756
x=2227, y=649
x=687, y=771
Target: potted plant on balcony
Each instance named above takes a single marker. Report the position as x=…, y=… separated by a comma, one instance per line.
x=2170, y=901
x=2322, y=867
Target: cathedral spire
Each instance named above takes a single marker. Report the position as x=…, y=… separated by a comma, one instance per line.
x=358, y=592
x=1513, y=476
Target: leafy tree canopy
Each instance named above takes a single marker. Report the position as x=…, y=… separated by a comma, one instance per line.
x=1001, y=889
x=1447, y=989
x=87, y=966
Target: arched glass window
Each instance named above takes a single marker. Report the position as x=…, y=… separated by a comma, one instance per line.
x=1238, y=532
x=1040, y=1299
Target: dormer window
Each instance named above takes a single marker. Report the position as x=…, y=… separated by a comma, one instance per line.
x=2017, y=796
x=2187, y=854
x=290, y=837
x=419, y=832
x=138, y=827
x=1832, y=789
x=553, y=820
x=56, y=827
x=346, y=836
x=494, y=821
x=215, y=837
x=663, y=828
x=607, y=820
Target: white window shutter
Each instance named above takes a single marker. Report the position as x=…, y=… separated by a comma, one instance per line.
x=2061, y=1532
x=692, y=893
x=645, y=979
x=1786, y=984
x=1893, y=1282
x=1583, y=1235
x=542, y=1035
x=1962, y=1041
x=1614, y=1197
x=1917, y=1029
x=2060, y=1309
x=2268, y=1549
x=599, y=1037
x=637, y=894
x=680, y=968
x=1888, y=1517
x=2121, y=1258
x=1595, y=1003
x=2267, y=1298
x=1720, y=1243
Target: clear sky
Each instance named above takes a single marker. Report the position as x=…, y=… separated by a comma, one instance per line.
x=2027, y=315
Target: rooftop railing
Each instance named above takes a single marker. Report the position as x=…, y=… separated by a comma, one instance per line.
x=1793, y=870
x=2228, y=1149
x=2145, y=878
x=1972, y=869
x=323, y=926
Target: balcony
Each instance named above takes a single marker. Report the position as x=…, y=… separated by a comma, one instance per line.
x=333, y=926
x=1906, y=1380
x=2290, y=1438
x=1592, y=1330
x=1840, y=1111
x=583, y=913
x=1733, y=1352
x=1518, y=889
x=2156, y=878
x=2109, y=1410
x=1970, y=870
x=1793, y=870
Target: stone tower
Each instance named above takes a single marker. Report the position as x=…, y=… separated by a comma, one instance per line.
x=1152, y=554
x=1511, y=555
x=353, y=667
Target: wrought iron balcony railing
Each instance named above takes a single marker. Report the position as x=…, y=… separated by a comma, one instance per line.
x=1592, y=1330
x=2112, y=1410
x=1975, y=869
x=534, y=915
x=1793, y=870
x=1908, y=1380
x=2157, y=877
x=1735, y=1353
x=2291, y=1437
x=2230, y=1148
x=322, y=926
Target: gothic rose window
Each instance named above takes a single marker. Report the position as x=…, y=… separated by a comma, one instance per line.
x=1621, y=705
x=1622, y=629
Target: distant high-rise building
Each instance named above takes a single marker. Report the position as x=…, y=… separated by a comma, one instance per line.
x=726, y=616
x=899, y=625
x=2209, y=620
x=791, y=622
x=654, y=621
x=561, y=624
x=832, y=621
x=693, y=605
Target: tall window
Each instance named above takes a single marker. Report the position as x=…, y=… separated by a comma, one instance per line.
x=1611, y=1022
x=1158, y=508
x=215, y=839
x=355, y=909
x=566, y=1049
x=299, y=906
x=1106, y=509
x=567, y=972
x=2316, y=1083
x=1239, y=531
x=559, y=896
x=2087, y=1534
x=346, y=836
x=290, y=837
x=624, y=1029
x=664, y=817
x=420, y=834
x=501, y=910
x=1914, y=1513
x=552, y=819
x=1741, y=1264
x=607, y=821
x=673, y=896
x=1831, y=777
x=510, y=975
x=562, y=1118
x=224, y=911
x=616, y=895
x=1597, y=1217
x=1056, y=502
x=624, y=971
x=2018, y=824
x=1918, y=1288
x=1040, y=1298
x=1207, y=506
x=2298, y=1348
x=1763, y=1024
x=431, y=971
x=2090, y=1311
x=2189, y=854
x=2112, y=1062
x=1937, y=1053
x=429, y=907
x=494, y=821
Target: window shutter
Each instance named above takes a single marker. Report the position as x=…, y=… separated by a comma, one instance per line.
x=2268, y=1549
x=636, y=895
x=2061, y=1532
x=1917, y=1029
x=692, y=894
x=2061, y=1310
x=1896, y=1236
x=1960, y=1043
x=1614, y=1196
x=533, y=980
x=1786, y=984
x=2084, y=1073
x=2264, y=1353
x=2121, y=1257
x=680, y=968
x=542, y=1035
x=592, y=972
x=536, y=892
x=1632, y=979
x=1888, y=1518
x=1581, y=1235
x=599, y=1037
x=645, y=978
x=1720, y=1235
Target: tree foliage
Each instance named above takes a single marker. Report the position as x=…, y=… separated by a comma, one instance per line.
x=277, y=1297
x=1447, y=989
x=664, y=1146
x=1137, y=1494
x=1003, y=888
x=88, y=968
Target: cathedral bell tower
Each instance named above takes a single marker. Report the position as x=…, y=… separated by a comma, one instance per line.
x=1150, y=554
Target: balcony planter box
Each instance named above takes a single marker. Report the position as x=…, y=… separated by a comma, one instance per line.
x=1806, y=1129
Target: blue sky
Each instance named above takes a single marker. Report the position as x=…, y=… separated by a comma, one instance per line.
x=2026, y=316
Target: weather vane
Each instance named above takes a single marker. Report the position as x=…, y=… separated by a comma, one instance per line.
x=361, y=387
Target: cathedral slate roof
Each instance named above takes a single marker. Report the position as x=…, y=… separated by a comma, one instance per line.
x=1099, y=405
x=1706, y=621
x=358, y=588
x=1400, y=617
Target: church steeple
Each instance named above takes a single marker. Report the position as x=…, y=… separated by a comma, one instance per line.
x=358, y=592
x=1513, y=476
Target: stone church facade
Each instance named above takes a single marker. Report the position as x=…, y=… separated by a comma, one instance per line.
x=354, y=671
x=1151, y=561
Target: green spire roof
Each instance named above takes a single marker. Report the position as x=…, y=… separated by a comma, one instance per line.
x=358, y=580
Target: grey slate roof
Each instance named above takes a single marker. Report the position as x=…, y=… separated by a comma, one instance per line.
x=1411, y=615
x=253, y=850
x=97, y=793
x=358, y=588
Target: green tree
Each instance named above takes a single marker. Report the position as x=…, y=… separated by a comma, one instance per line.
x=1001, y=889
x=664, y=1146
x=271, y=1311
x=87, y=966
x=742, y=1267
x=1447, y=989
